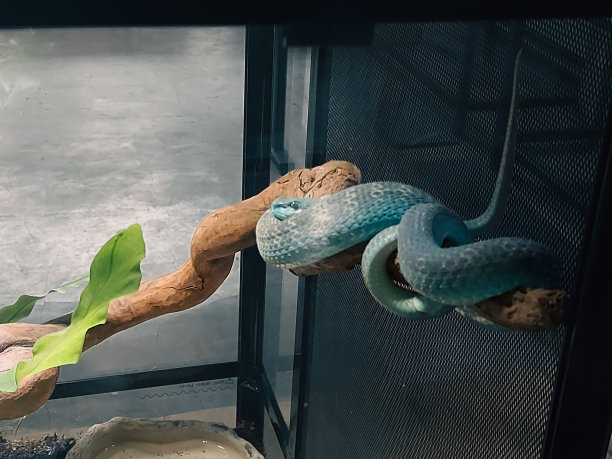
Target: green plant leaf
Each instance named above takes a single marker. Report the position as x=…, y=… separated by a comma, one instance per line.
x=25, y=303
x=114, y=272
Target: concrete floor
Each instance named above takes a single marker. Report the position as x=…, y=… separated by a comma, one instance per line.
x=102, y=128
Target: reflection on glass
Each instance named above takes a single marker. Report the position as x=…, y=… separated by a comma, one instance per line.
x=105, y=127
x=282, y=285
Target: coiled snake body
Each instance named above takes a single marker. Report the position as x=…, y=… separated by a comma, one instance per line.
x=437, y=251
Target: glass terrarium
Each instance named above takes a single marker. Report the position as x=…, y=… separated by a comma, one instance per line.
x=363, y=238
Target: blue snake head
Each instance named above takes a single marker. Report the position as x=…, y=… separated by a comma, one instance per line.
x=283, y=208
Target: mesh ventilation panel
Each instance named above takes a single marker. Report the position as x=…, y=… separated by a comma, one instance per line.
x=426, y=104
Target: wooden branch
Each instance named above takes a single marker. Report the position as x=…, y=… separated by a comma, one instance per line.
x=522, y=309
x=16, y=341
x=215, y=241
x=525, y=309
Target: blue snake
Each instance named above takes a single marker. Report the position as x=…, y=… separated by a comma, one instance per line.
x=439, y=254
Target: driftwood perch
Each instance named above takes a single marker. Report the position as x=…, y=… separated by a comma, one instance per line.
x=215, y=241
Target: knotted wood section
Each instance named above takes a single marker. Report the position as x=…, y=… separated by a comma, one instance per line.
x=216, y=240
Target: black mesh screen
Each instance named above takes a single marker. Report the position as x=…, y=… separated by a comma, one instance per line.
x=426, y=104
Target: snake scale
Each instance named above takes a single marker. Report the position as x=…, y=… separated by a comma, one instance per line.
x=439, y=254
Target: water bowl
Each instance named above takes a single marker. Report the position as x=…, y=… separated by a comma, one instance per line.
x=122, y=438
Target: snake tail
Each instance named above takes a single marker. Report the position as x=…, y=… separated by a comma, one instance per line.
x=494, y=213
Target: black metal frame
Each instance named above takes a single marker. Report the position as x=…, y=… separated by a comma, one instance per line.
x=40, y=13
x=291, y=437
x=316, y=141
x=581, y=418
x=256, y=175
x=145, y=379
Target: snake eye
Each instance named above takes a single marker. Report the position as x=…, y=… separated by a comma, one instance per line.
x=294, y=205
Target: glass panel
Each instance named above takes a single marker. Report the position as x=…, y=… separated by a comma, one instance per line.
x=282, y=285
x=296, y=106
x=104, y=127
x=213, y=401
x=271, y=446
